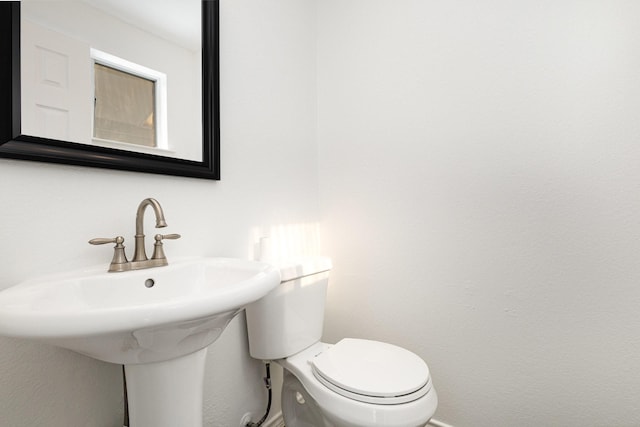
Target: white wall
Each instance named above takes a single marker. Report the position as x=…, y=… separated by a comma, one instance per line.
x=480, y=173
x=49, y=212
x=478, y=186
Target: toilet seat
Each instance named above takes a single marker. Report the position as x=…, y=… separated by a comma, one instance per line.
x=372, y=372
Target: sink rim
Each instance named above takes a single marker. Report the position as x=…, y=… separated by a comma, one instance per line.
x=74, y=321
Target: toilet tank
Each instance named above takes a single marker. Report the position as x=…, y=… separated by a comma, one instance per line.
x=290, y=318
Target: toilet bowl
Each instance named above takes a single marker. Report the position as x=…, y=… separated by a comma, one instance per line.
x=345, y=400
x=353, y=383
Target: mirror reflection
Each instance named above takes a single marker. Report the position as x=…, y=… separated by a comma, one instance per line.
x=114, y=73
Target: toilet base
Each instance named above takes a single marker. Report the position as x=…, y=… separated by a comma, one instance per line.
x=298, y=407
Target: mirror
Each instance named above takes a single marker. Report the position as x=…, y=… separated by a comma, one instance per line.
x=21, y=137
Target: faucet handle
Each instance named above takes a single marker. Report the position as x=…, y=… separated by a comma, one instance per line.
x=158, y=252
x=119, y=240
x=167, y=236
x=119, y=256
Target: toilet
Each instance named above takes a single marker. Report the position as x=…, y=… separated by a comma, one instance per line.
x=353, y=383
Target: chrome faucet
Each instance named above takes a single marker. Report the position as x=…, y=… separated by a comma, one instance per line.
x=140, y=260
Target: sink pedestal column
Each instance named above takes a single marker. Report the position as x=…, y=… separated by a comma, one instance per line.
x=167, y=394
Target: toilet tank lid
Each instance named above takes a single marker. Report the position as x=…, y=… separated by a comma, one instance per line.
x=296, y=268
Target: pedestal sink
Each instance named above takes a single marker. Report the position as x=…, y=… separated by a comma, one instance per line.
x=157, y=322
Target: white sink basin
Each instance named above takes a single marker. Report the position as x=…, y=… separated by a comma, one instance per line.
x=138, y=316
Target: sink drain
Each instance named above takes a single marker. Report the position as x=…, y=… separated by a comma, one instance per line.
x=149, y=283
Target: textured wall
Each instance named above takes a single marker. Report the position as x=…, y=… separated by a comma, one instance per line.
x=478, y=185
x=479, y=170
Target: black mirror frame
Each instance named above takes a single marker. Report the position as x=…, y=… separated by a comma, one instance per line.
x=14, y=145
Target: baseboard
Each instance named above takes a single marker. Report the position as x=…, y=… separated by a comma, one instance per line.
x=436, y=423
x=277, y=421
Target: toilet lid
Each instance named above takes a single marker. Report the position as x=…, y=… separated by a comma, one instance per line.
x=372, y=371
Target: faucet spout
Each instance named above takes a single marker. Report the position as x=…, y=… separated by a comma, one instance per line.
x=140, y=253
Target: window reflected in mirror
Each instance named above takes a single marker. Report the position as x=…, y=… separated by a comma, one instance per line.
x=124, y=107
